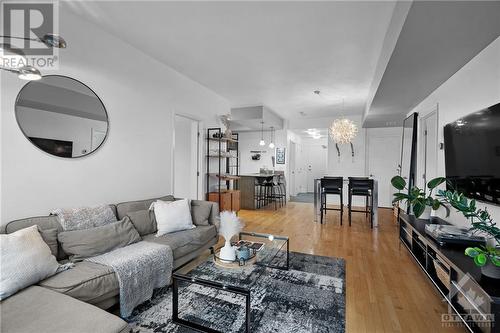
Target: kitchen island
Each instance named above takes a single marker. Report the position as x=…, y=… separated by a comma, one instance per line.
x=247, y=188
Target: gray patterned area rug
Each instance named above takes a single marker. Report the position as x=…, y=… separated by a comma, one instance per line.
x=309, y=297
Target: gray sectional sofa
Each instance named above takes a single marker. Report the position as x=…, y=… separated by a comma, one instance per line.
x=75, y=300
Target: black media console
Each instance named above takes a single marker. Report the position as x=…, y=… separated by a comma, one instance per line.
x=473, y=298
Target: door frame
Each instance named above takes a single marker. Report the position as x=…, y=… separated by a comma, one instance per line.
x=199, y=159
x=422, y=145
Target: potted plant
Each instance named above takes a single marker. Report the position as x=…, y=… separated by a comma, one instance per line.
x=487, y=257
x=419, y=200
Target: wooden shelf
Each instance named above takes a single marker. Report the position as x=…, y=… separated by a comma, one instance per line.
x=224, y=176
x=220, y=156
x=223, y=139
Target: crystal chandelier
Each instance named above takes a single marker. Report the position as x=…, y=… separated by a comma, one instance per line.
x=343, y=130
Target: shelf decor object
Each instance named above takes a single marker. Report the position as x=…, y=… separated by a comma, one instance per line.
x=230, y=225
x=222, y=174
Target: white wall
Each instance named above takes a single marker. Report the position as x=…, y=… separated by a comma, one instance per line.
x=140, y=94
x=472, y=88
x=249, y=141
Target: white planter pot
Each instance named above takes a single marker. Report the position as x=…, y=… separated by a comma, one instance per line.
x=228, y=252
x=426, y=215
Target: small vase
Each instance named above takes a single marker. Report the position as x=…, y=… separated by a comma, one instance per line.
x=490, y=270
x=228, y=252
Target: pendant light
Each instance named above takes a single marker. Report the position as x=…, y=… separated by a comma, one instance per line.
x=343, y=130
x=271, y=145
x=262, y=142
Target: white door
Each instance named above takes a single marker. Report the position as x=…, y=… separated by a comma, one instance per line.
x=300, y=170
x=430, y=146
x=315, y=157
x=186, y=176
x=293, y=163
x=383, y=155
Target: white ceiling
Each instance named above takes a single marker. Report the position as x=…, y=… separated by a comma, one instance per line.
x=260, y=53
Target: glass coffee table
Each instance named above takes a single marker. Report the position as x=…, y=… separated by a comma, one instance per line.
x=237, y=280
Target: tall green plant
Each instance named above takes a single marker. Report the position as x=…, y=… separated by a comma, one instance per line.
x=417, y=198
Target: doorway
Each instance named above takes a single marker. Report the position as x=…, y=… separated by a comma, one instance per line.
x=316, y=159
x=383, y=155
x=292, y=158
x=186, y=157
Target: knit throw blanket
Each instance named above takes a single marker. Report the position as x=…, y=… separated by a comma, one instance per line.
x=140, y=268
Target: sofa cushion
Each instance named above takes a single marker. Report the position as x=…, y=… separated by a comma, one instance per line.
x=81, y=244
x=172, y=216
x=25, y=259
x=87, y=281
x=41, y=310
x=200, y=212
x=142, y=222
x=186, y=241
x=85, y=217
x=122, y=209
x=49, y=236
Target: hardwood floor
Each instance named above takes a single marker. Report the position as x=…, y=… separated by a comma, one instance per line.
x=386, y=291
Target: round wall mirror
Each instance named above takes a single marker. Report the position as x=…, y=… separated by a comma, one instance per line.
x=62, y=116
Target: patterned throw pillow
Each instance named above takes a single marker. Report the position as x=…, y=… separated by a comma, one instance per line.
x=84, y=217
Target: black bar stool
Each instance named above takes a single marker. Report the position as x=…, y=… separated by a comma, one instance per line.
x=260, y=193
x=362, y=187
x=332, y=185
x=271, y=195
x=280, y=187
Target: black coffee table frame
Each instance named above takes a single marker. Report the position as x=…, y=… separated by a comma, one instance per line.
x=245, y=292
x=219, y=286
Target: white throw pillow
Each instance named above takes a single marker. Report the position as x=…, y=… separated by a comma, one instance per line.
x=172, y=216
x=25, y=259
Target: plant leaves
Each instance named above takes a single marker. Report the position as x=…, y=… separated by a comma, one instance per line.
x=480, y=259
x=436, y=204
x=418, y=207
x=495, y=260
x=398, y=182
x=433, y=183
x=471, y=252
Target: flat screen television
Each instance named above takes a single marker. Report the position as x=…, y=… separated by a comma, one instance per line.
x=472, y=154
x=54, y=147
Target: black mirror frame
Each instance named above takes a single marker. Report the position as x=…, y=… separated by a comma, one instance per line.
x=413, y=119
